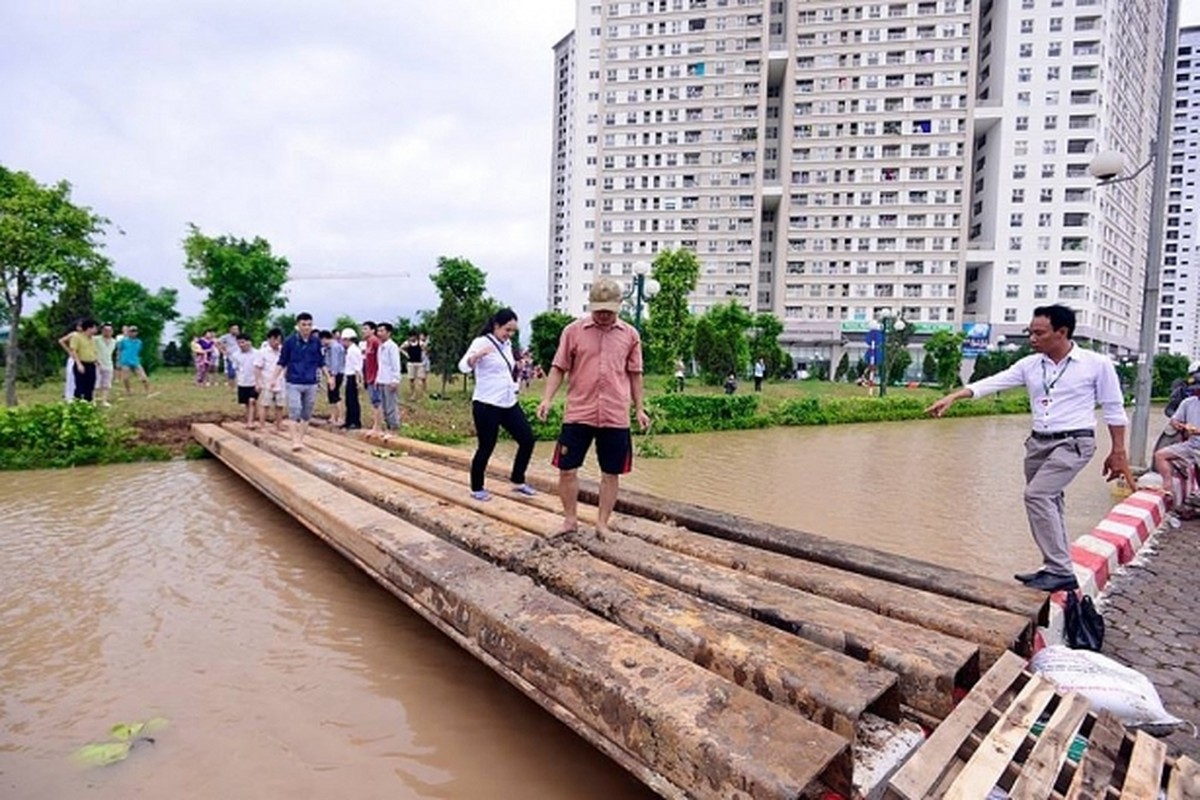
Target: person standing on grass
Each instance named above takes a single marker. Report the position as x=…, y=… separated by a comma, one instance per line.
x=81, y=347
x=69, y=385
x=600, y=357
x=1065, y=383
x=246, y=375
x=129, y=360
x=414, y=354
x=494, y=404
x=302, y=365
x=370, y=346
x=760, y=371
x=269, y=383
x=335, y=367
x=228, y=347
x=354, y=374
x=388, y=376
x=106, y=347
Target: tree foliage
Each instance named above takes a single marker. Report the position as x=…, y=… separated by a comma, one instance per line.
x=765, y=329
x=670, y=328
x=45, y=241
x=945, y=348
x=124, y=301
x=720, y=346
x=545, y=330
x=1165, y=370
x=244, y=280
x=460, y=313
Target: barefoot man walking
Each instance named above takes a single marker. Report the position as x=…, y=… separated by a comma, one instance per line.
x=601, y=358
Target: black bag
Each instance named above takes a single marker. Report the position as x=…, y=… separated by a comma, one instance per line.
x=1082, y=624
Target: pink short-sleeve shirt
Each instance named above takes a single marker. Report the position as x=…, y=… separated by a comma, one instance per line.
x=600, y=364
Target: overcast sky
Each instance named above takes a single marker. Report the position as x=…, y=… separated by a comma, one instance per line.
x=354, y=136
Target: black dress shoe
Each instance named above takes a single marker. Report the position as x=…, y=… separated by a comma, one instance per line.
x=1049, y=582
x=1026, y=577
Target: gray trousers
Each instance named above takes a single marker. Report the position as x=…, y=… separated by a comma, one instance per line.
x=1049, y=466
x=391, y=406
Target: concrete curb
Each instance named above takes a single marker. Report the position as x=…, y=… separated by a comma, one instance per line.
x=1114, y=542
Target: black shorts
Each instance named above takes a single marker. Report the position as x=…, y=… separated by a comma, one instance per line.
x=334, y=395
x=614, y=448
x=246, y=394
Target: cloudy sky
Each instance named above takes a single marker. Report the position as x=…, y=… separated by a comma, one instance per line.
x=355, y=136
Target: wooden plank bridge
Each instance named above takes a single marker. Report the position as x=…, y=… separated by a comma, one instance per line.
x=709, y=655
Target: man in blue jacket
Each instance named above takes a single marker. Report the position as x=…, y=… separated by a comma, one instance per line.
x=304, y=363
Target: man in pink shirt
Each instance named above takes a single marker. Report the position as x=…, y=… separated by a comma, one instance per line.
x=601, y=357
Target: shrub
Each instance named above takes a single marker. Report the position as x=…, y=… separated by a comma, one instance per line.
x=66, y=435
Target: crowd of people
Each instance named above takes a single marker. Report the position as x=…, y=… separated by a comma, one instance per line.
x=94, y=358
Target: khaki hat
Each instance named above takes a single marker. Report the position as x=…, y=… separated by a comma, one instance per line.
x=349, y=333
x=605, y=295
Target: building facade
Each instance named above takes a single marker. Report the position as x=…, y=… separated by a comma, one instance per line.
x=836, y=162
x=1179, y=317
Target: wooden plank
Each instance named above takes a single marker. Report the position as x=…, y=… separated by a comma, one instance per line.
x=811, y=547
x=916, y=779
x=1041, y=768
x=1185, y=780
x=827, y=687
x=1000, y=745
x=1095, y=772
x=930, y=664
x=696, y=731
x=1143, y=776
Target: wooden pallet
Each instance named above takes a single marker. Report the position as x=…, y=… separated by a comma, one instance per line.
x=988, y=741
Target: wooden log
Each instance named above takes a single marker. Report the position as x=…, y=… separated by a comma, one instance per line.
x=930, y=664
x=977, y=589
x=1184, y=783
x=680, y=728
x=1143, y=773
x=993, y=630
x=1095, y=773
x=824, y=686
x=1044, y=762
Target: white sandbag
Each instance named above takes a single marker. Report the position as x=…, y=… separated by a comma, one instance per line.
x=1125, y=692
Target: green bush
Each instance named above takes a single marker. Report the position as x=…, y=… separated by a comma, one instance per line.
x=66, y=435
x=841, y=410
x=694, y=413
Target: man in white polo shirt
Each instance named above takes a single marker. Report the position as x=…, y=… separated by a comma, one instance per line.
x=1065, y=383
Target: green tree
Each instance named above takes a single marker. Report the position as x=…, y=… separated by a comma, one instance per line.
x=1165, y=370
x=244, y=279
x=896, y=354
x=765, y=329
x=284, y=320
x=344, y=321
x=720, y=346
x=124, y=301
x=842, y=372
x=460, y=286
x=45, y=240
x=945, y=348
x=995, y=361
x=545, y=330
x=671, y=326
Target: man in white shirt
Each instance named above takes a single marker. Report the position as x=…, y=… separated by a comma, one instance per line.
x=270, y=389
x=1185, y=420
x=388, y=376
x=1065, y=383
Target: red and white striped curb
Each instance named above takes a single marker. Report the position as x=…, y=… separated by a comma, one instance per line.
x=1097, y=555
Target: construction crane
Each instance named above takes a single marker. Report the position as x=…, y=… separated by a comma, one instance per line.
x=346, y=276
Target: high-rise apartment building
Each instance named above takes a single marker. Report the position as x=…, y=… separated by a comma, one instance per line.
x=1179, y=310
x=835, y=161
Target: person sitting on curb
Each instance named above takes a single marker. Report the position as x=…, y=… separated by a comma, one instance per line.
x=1186, y=420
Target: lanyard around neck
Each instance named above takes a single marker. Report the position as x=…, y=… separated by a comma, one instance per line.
x=1048, y=387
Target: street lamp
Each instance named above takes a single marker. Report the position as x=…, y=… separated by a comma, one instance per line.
x=882, y=327
x=1107, y=167
x=643, y=289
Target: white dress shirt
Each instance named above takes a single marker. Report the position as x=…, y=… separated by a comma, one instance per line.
x=1063, y=396
x=494, y=382
x=354, y=359
x=389, y=363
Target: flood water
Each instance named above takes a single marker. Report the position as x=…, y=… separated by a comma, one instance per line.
x=175, y=590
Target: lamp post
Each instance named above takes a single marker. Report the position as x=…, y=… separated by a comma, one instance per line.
x=885, y=325
x=1107, y=168
x=644, y=287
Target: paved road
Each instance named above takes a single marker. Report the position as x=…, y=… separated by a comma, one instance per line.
x=1153, y=625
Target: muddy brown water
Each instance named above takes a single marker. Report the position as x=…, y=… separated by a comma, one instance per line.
x=175, y=590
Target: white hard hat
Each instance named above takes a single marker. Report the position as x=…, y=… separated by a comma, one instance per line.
x=349, y=333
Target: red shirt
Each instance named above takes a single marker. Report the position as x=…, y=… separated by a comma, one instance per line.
x=601, y=364
x=371, y=359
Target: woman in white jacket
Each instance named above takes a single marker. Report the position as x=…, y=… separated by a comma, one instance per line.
x=494, y=404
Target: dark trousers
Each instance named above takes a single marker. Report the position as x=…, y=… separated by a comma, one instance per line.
x=488, y=421
x=757, y=384
x=353, y=409
x=85, y=382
